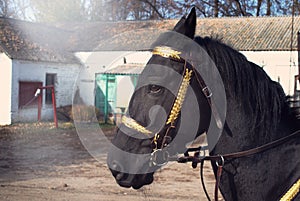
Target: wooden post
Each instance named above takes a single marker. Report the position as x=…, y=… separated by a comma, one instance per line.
x=53, y=103
x=40, y=96
x=297, y=77
x=54, y=106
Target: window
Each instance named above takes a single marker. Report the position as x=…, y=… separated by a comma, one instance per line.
x=26, y=93
x=50, y=80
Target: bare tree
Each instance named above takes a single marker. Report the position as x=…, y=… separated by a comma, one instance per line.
x=259, y=3
x=4, y=8
x=269, y=4
x=115, y=10
x=216, y=8
x=58, y=10
x=14, y=9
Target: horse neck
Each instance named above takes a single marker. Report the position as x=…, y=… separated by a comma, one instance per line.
x=240, y=134
x=261, y=171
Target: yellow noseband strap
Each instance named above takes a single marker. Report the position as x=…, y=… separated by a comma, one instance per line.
x=131, y=123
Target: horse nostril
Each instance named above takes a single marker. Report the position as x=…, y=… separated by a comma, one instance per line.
x=119, y=176
x=116, y=166
x=117, y=170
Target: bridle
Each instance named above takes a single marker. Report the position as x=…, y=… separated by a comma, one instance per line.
x=160, y=157
x=158, y=152
x=188, y=72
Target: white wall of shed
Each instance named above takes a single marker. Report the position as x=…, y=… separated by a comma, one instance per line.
x=125, y=86
x=99, y=62
x=125, y=89
x=5, y=89
x=36, y=72
x=94, y=62
x=281, y=66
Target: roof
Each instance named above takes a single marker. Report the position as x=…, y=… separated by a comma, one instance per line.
x=94, y=36
x=58, y=42
x=126, y=69
x=253, y=33
x=242, y=33
x=33, y=41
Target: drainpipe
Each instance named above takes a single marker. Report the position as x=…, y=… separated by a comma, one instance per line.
x=297, y=77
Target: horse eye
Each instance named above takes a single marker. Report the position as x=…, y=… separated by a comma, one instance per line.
x=154, y=89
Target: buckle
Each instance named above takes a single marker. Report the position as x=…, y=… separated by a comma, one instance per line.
x=207, y=92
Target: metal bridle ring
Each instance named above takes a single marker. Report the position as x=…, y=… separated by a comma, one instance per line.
x=222, y=162
x=165, y=156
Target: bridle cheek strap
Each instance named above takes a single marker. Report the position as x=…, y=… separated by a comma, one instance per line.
x=165, y=52
x=180, y=97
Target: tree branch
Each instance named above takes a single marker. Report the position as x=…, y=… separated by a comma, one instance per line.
x=240, y=7
x=153, y=7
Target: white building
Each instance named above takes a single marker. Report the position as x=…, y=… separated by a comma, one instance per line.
x=33, y=53
x=265, y=41
x=27, y=65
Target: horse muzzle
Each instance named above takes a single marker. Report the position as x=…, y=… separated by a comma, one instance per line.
x=127, y=180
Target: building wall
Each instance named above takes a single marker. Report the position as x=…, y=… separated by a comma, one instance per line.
x=5, y=89
x=28, y=71
x=98, y=62
x=281, y=66
x=95, y=63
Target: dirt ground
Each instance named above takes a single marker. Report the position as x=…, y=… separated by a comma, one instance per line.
x=40, y=162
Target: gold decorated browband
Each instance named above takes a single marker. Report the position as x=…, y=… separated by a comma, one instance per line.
x=165, y=52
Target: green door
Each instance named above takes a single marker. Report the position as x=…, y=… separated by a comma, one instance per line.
x=105, y=97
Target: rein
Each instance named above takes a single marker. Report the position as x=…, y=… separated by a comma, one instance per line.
x=160, y=158
x=220, y=161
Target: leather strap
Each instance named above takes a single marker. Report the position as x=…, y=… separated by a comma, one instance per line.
x=208, y=94
x=219, y=174
x=241, y=154
x=221, y=159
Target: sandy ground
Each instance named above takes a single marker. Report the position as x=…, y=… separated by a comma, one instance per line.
x=40, y=162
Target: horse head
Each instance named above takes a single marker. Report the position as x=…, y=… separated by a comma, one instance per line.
x=158, y=121
x=180, y=95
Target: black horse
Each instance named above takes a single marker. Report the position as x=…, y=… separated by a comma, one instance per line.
x=256, y=113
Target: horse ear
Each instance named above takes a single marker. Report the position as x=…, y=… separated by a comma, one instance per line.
x=187, y=26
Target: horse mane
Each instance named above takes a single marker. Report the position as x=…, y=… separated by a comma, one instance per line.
x=263, y=100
